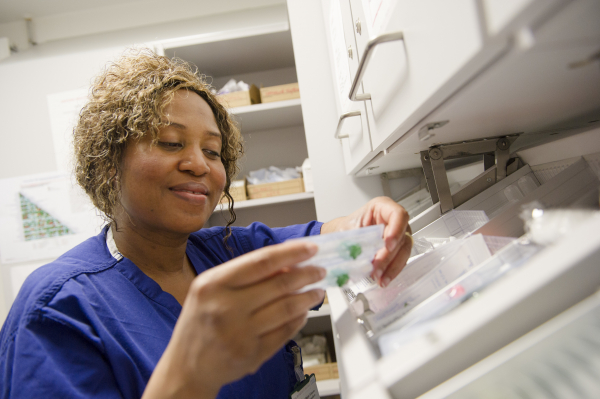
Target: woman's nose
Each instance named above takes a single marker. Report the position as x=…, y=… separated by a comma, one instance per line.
x=194, y=162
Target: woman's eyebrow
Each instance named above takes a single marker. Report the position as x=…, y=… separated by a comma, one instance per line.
x=214, y=133
x=176, y=125
x=180, y=126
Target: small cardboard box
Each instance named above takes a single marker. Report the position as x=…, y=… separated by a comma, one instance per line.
x=322, y=372
x=240, y=98
x=272, y=189
x=279, y=93
x=237, y=189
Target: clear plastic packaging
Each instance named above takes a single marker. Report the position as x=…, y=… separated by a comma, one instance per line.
x=346, y=255
x=421, y=279
x=451, y=226
x=506, y=259
x=547, y=226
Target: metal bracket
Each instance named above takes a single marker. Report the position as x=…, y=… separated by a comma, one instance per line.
x=496, y=154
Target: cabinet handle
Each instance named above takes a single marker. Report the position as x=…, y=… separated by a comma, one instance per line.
x=339, y=126
x=386, y=37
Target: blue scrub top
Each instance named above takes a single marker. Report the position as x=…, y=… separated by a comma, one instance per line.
x=89, y=325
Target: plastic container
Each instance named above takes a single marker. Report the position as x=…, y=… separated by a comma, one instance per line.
x=421, y=279
x=509, y=258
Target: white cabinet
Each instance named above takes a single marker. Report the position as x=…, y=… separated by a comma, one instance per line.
x=435, y=39
x=542, y=89
x=468, y=70
x=353, y=127
x=518, y=67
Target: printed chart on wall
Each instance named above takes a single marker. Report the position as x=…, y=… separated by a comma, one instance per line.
x=43, y=216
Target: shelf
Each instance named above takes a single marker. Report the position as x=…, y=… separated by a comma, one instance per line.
x=328, y=387
x=280, y=199
x=235, y=52
x=325, y=310
x=269, y=115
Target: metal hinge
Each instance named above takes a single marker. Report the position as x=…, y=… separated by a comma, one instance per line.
x=496, y=154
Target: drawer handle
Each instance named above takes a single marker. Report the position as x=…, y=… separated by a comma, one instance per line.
x=386, y=37
x=339, y=126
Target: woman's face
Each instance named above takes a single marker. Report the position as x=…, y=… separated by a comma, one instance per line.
x=174, y=186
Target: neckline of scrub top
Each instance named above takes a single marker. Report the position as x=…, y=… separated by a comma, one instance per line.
x=145, y=284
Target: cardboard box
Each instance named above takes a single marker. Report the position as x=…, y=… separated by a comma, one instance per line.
x=322, y=372
x=279, y=93
x=272, y=189
x=237, y=189
x=240, y=98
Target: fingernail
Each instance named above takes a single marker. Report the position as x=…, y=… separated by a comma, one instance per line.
x=395, y=242
x=312, y=248
x=385, y=282
x=378, y=274
x=322, y=272
x=321, y=293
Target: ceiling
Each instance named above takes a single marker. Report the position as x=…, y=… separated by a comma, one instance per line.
x=15, y=10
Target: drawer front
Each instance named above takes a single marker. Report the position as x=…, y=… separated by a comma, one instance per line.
x=546, y=89
x=407, y=78
x=356, y=141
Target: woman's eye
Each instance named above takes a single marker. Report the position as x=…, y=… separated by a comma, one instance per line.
x=212, y=154
x=169, y=145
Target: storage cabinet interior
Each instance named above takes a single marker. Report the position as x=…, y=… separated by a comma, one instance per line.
x=421, y=349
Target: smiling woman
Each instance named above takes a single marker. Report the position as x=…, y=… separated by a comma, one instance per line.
x=175, y=183
x=132, y=99
x=156, y=306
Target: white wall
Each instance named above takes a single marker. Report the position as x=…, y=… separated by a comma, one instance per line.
x=27, y=78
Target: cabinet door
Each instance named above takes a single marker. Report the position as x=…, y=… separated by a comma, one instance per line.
x=407, y=78
x=355, y=129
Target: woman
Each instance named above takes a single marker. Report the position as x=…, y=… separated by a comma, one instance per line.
x=141, y=310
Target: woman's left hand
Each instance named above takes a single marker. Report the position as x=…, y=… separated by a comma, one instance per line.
x=391, y=259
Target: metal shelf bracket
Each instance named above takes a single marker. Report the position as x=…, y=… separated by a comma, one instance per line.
x=497, y=165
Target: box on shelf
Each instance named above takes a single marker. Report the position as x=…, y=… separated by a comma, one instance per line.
x=237, y=189
x=240, y=98
x=273, y=189
x=327, y=371
x=279, y=93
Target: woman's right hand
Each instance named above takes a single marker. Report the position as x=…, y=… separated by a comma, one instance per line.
x=234, y=318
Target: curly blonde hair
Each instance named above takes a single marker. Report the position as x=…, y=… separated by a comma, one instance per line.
x=126, y=101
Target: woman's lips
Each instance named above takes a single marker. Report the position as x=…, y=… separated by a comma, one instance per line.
x=193, y=192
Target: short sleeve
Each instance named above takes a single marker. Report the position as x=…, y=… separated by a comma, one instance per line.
x=47, y=359
x=258, y=235
x=298, y=231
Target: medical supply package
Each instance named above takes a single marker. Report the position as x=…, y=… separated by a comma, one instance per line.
x=345, y=255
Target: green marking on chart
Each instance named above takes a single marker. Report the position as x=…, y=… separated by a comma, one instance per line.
x=38, y=224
